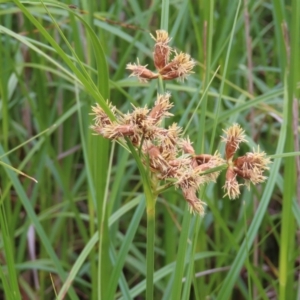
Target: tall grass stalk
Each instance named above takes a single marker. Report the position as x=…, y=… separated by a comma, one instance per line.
x=287, y=241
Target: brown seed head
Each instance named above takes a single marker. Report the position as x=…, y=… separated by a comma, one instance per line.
x=180, y=67
x=161, y=49
x=115, y=130
x=186, y=146
x=190, y=178
x=157, y=161
x=231, y=185
x=138, y=116
x=252, y=165
x=161, y=108
x=168, y=137
x=234, y=136
x=101, y=119
x=195, y=204
x=202, y=158
x=141, y=72
x=207, y=162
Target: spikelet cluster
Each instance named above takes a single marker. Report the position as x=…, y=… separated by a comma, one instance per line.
x=249, y=167
x=179, y=67
x=170, y=157
x=164, y=152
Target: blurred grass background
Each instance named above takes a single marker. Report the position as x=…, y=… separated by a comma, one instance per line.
x=80, y=232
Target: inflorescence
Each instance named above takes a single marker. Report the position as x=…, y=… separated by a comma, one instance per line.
x=168, y=155
x=179, y=67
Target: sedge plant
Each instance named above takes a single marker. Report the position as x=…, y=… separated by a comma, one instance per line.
x=170, y=162
x=167, y=158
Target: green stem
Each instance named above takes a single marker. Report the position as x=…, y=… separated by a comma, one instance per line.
x=160, y=86
x=150, y=247
x=164, y=15
x=181, y=255
x=150, y=203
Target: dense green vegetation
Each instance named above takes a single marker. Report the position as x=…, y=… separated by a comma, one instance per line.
x=92, y=227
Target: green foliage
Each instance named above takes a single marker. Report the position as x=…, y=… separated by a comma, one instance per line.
x=90, y=229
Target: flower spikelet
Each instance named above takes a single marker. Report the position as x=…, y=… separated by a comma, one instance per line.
x=143, y=122
x=115, y=130
x=231, y=184
x=195, y=204
x=141, y=72
x=180, y=67
x=161, y=49
x=157, y=161
x=101, y=119
x=161, y=108
x=169, y=137
x=138, y=116
x=252, y=165
x=207, y=162
x=190, y=178
x=234, y=135
x=186, y=146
